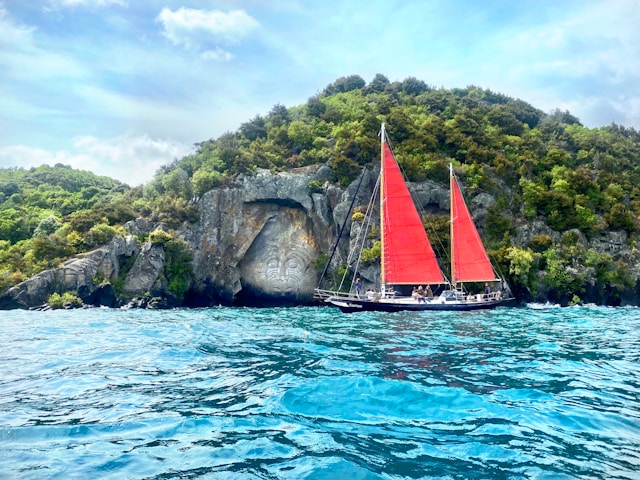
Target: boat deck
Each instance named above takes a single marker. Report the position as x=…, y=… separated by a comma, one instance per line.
x=349, y=302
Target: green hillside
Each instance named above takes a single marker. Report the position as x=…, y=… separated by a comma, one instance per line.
x=539, y=166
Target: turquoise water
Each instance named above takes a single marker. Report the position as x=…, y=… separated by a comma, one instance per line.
x=310, y=393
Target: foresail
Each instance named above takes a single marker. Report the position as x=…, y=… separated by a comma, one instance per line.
x=408, y=255
x=470, y=260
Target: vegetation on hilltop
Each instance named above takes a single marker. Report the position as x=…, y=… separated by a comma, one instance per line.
x=547, y=167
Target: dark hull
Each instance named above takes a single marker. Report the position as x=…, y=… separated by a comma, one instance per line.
x=354, y=305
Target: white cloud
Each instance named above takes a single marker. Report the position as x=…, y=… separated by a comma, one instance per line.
x=130, y=159
x=192, y=28
x=216, y=54
x=583, y=59
x=22, y=59
x=12, y=35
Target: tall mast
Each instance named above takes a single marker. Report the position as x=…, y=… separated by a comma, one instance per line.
x=382, y=195
x=451, y=232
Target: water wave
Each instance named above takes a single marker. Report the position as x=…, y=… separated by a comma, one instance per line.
x=311, y=393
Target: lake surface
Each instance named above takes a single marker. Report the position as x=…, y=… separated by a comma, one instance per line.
x=310, y=393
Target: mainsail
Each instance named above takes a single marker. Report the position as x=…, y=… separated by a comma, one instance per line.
x=408, y=257
x=470, y=262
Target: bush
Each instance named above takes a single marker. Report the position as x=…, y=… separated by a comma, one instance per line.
x=316, y=186
x=57, y=301
x=160, y=237
x=178, y=267
x=541, y=243
x=369, y=255
x=520, y=263
x=204, y=180
x=99, y=234
x=47, y=226
x=357, y=217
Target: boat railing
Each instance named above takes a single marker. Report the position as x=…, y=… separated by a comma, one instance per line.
x=479, y=297
x=320, y=294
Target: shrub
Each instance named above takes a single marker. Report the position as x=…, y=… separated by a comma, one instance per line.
x=520, y=263
x=56, y=300
x=315, y=186
x=357, y=217
x=178, y=267
x=204, y=180
x=99, y=234
x=47, y=226
x=371, y=254
x=540, y=243
x=160, y=237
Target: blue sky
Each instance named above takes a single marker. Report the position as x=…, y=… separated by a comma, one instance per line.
x=121, y=87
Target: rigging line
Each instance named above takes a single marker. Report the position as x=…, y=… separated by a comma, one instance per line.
x=362, y=234
x=335, y=245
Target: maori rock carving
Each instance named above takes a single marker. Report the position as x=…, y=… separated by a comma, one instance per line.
x=279, y=262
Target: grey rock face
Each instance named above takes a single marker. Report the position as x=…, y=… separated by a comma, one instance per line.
x=279, y=262
x=259, y=240
x=146, y=271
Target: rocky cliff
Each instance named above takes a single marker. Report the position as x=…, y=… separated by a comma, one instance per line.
x=256, y=242
x=80, y=274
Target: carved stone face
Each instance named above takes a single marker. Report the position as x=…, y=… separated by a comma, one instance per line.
x=279, y=262
x=283, y=269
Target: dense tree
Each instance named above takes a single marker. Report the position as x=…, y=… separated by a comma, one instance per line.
x=345, y=84
x=316, y=107
x=412, y=86
x=378, y=84
x=254, y=129
x=278, y=116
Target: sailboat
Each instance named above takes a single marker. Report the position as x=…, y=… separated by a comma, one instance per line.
x=408, y=259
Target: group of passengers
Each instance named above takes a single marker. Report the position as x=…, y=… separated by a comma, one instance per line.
x=421, y=294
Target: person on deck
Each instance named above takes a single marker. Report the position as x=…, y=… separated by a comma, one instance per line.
x=358, y=286
x=428, y=293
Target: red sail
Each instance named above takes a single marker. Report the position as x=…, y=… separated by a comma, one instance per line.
x=470, y=260
x=408, y=255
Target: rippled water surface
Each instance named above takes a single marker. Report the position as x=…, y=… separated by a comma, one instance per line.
x=310, y=393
